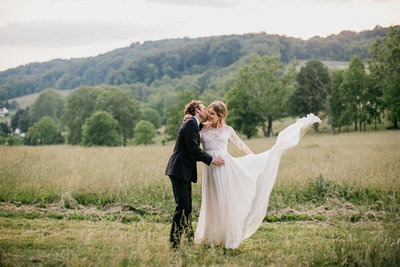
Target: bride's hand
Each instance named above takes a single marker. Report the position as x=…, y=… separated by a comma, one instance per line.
x=206, y=124
x=187, y=116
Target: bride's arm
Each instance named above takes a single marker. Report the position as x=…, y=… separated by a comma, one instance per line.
x=247, y=150
x=187, y=116
x=238, y=142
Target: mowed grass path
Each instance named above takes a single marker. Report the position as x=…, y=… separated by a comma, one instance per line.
x=335, y=202
x=81, y=243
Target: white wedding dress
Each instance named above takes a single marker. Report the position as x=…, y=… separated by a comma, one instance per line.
x=235, y=196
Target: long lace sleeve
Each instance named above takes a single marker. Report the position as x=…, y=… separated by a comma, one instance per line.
x=237, y=141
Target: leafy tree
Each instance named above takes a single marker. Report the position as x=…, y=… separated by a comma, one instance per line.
x=209, y=96
x=385, y=64
x=44, y=132
x=144, y=133
x=49, y=103
x=100, y=129
x=335, y=100
x=140, y=91
x=374, y=94
x=152, y=116
x=3, y=95
x=4, y=129
x=123, y=107
x=14, y=105
x=310, y=95
x=21, y=120
x=269, y=87
x=225, y=51
x=15, y=140
x=79, y=106
x=175, y=113
x=162, y=100
x=354, y=87
x=119, y=103
x=7, y=105
x=243, y=113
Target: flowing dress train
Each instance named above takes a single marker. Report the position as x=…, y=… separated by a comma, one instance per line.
x=235, y=196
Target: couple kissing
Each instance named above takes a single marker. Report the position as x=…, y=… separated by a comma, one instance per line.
x=235, y=191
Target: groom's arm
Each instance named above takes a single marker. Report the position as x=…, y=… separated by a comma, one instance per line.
x=190, y=136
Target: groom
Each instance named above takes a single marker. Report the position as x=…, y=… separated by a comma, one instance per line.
x=182, y=170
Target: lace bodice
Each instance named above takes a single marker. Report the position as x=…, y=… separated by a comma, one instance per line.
x=217, y=138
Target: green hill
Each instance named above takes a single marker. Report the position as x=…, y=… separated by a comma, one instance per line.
x=209, y=61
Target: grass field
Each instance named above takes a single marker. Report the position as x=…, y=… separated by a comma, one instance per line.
x=28, y=100
x=335, y=203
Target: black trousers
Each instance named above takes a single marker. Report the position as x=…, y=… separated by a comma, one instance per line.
x=182, y=218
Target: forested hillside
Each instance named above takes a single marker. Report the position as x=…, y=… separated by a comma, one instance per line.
x=207, y=60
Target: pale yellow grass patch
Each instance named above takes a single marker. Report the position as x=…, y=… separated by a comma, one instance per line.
x=362, y=159
x=81, y=169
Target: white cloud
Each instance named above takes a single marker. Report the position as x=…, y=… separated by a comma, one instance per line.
x=69, y=33
x=37, y=30
x=208, y=3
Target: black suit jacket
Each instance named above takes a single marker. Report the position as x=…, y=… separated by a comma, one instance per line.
x=182, y=164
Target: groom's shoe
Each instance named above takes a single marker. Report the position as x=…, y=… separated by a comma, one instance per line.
x=174, y=249
x=174, y=245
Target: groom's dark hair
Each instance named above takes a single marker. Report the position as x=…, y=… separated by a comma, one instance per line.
x=191, y=107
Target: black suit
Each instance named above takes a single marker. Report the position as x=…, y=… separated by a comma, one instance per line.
x=182, y=170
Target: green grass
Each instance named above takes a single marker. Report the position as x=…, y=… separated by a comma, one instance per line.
x=27, y=100
x=357, y=168
x=108, y=243
x=335, y=203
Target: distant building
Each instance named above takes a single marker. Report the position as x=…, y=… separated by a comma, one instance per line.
x=19, y=132
x=3, y=112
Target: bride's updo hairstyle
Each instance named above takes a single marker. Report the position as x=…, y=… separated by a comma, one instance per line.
x=221, y=111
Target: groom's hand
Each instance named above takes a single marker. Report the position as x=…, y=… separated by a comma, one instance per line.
x=218, y=161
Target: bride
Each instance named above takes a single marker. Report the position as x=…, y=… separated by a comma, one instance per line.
x=235, y=196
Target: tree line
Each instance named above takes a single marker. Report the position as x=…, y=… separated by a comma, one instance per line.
x=353, y=97
x=91, y=116
x=264, y=89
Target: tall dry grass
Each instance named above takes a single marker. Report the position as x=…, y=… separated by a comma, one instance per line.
x=136, y=173
x=361, y=159
x=101, y=172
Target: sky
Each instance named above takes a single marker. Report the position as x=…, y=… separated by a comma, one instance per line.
x=41, y=30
